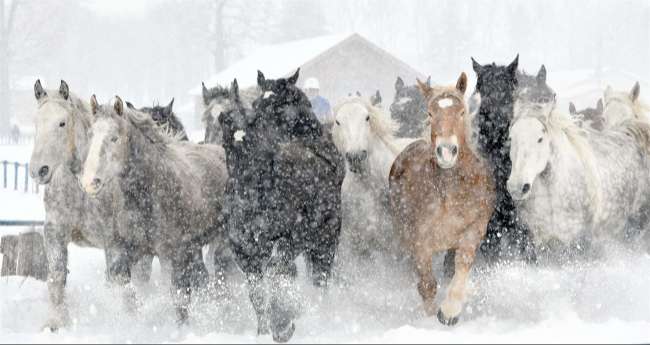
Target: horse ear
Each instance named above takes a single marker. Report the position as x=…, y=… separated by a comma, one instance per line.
x=541, y=75
x=423, y=87
x=64, y=91
x=461, y=84
x=206, y=92
x=476, y=66
x=377, y=98
x=234, y=89
x=129, y=105
x=572, y=108
x=39, y=93
x=169, y=107
x=512, y=67
x=358, y=94
x=294, y=78
x=93, y=104
x=636, y=90
x=399, y=84
x=261, y=80
x=599, y=106
x=118, y=106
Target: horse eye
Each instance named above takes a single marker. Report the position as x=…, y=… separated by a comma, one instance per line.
x=338, y=123
x=62, y=124
x=540, y=140
x=368, y=118
x=429, y=114
x=114, y=139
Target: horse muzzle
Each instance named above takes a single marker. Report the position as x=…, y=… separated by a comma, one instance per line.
x=519, y=191
x=356, y=161
x=93, y=187
x=446, y=155
x=41, y=174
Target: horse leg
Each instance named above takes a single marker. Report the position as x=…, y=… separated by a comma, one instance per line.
x=427, y=286
x=56, y=248
x=448, y=265
x=198, y=272
x=322, y=258
x=453, y=304
x=122, y=259
x=283, y=306
x=182, y=282
x=252, y=266
x=222, y=258
x=141, y=270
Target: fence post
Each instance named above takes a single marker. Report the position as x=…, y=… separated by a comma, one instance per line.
x=26, y=177
x=4, y=165
x=16, y=166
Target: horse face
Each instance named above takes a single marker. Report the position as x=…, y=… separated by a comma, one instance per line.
x=530, y=153
x=447, y=114
x=496, y=84
x=351, y=134
x=406, y=99
x=108, y=151
x=54, y=137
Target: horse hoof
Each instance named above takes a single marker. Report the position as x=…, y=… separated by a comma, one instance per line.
x=445, y=320
x=284, y=335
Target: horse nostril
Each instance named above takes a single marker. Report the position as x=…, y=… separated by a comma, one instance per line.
x=43, y=171
x=364, y=155
x=96, y=182
x=454, y=150
x=439, y=150
x=526, y=188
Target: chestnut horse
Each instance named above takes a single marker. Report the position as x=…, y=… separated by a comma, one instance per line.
x=442, y=197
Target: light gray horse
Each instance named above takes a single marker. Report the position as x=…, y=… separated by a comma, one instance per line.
x=173, y=193
x=216, y=101
x=60, y=145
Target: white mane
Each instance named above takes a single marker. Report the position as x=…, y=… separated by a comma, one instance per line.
x=560, y=124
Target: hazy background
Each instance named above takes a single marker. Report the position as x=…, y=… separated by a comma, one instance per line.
x=146, y=50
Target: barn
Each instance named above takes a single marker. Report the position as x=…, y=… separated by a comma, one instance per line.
x=342, y=63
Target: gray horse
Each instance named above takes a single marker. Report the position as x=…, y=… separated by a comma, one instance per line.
x=173, y=192
x=216, y=100
x=60, y=145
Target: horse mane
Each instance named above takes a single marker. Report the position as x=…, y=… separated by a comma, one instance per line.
x=559, y=123
x=147, y=126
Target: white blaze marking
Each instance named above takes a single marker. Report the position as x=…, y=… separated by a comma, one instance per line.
x=268, y=94
x=445, y=102
x=239, y=135
x=92, y=161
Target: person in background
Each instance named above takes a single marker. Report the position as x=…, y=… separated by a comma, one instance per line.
x=319, y=104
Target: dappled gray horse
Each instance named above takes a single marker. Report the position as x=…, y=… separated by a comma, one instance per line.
x=60, y=145
x=173, y=193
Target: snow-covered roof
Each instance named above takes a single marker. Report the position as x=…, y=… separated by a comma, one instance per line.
x=280, y=60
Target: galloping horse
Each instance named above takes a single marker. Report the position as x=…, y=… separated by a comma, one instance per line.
x=62, y=139
x=172, y=193
x=284, y=196
x=365, y=135
x=442, y=196
x=579, y=188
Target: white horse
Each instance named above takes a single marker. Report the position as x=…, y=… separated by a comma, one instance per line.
x=364, y=134
x=572, y=185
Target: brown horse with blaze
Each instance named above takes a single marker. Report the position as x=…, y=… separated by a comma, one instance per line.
x=442, y=196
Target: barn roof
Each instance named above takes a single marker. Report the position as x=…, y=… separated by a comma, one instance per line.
x=280, y=60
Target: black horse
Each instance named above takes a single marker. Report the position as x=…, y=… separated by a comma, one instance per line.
x=497, y=86
x=165, y=118
x=409, y=109
x=284, y=193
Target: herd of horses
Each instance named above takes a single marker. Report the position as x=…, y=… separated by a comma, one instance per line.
x=502, y=171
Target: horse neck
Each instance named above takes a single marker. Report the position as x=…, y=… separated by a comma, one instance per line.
x=383, y=151
x=146, y=161
x=78, y=139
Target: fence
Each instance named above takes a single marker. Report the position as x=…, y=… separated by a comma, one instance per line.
x=15, y=139
x=15, y=176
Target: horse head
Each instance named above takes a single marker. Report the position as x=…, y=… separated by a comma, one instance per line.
x=621, y=105
x=108, y=152
x=60, y=124
x=592, y=117
x=447, y=111
x=496, y=84
x=533, y=94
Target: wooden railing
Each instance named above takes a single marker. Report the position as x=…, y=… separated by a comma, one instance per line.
x=15, y=176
